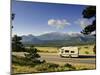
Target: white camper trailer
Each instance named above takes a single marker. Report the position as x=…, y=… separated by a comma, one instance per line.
x=69, y=51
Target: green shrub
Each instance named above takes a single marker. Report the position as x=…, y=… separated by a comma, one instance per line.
x=41, y=67
x=84, y=69
x=86, y=52
x=22, y=61
x=52, y=65
x=46, y=67
x=94, y=49
x=32, y=55
x=69, y=66
x=86, y=47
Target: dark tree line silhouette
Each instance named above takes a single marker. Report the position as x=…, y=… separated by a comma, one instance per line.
x=90, y=12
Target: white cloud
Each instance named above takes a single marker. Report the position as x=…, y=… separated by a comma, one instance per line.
x=59, y=24
x=82, y=22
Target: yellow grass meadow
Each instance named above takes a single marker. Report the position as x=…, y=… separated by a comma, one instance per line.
x=84, y=49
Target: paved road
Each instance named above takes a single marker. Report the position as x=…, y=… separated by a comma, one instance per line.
x=53, y=57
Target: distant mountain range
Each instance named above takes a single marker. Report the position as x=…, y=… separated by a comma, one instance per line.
x=58, y=38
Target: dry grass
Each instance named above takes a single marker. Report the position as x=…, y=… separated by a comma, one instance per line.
x=78, y=66
x=85, y=49
x=22, y=69
x=84, y=66
x=47, y=49
x=20, y=65
x=44, y=68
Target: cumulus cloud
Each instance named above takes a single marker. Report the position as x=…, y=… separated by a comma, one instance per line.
x=82, y=22
x=59, y=24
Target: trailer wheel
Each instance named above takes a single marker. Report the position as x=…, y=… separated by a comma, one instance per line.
x=70, y=56
x=61, y=56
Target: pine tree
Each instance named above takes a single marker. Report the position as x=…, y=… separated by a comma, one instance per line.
x=32, y=54
x=90, y=12
x=17, y=44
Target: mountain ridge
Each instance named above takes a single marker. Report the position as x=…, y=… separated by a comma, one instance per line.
x=58, y=38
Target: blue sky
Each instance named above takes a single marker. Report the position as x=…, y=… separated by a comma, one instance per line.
x=38, y=18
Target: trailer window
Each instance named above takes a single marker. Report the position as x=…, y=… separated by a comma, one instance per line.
x=67, y=51
x=72, y=51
